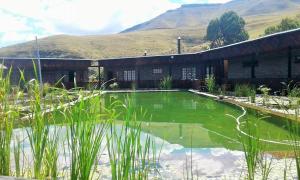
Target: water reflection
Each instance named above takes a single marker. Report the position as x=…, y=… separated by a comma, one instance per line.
x=176, y=161
x=205, y=117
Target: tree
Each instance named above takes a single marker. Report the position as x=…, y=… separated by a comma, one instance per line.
x=228, y=29
x=285, y=24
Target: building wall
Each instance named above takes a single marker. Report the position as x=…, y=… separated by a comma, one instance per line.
x=146, y=72
x=52, y=70
x=272, y=65
x=236, y=70
x=295, y=65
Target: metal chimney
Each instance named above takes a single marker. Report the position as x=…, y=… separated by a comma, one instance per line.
x=179, y=45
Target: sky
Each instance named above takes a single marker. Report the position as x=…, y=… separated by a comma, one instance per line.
x=22, y=20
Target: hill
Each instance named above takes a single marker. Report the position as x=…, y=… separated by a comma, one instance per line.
x=158, y=36
x=194, y=15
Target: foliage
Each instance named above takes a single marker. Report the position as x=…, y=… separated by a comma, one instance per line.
x=284, y=25
x=166, y=83
x=39, y=131
x=210, y=83
x=265, y=91
x=114, y=86
x=85, y=137
x=245, y=90
x=228, y=29
x=8, y=114
x=129, y=158
x=252, y=148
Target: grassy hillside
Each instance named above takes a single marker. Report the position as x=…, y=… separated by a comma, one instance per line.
x=194, y=15
x=155, y=41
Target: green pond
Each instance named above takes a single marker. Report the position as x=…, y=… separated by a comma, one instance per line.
x=194, y=121
x=191, y=133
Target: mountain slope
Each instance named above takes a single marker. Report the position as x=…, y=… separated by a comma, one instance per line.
x=158, y=36
x=194, y=15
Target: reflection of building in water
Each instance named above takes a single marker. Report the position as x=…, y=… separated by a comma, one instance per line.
x=210, y=105
x=158, y=106
x=189, y=104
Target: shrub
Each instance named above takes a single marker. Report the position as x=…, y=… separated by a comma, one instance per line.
x=243, y=90
x=210, y=83
x=166, y=83
x=265, y=91
x=114, y=86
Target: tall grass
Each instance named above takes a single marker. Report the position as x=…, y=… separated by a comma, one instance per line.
x=130, y=156
x=210, y=83
x=38, y=132
x=166, y=83
x=51, y=154
x=251, y=147
x=254, y=150
x=245, y=90
x=17, y=153
x=9, y=111
x=86, y=131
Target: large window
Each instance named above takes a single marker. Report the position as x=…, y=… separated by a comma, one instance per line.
x=189, y=73
x=209, y=71
x=129, y=75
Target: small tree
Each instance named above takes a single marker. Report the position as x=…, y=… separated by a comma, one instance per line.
x=228, y=29
x=285, y=24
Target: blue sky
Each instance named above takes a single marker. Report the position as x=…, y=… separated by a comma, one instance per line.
x=22, y=20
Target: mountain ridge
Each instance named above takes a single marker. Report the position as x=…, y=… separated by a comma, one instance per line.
x=159, y=35
x=192, y=15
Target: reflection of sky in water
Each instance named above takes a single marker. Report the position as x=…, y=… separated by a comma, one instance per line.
x=175, y=160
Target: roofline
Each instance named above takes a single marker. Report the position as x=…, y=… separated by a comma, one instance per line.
x=135, y=57
x=20, y=58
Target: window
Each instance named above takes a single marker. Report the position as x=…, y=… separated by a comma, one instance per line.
x=129, y=75
x=157, y=71
x=209, y=71
x=189, y=73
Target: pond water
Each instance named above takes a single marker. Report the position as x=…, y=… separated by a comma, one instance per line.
x=195, y=136
x=203, y=130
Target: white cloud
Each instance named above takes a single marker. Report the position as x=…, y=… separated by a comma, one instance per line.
x=49, y=17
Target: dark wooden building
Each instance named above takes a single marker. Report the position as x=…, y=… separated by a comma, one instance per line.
x=53, y=70
x=268, y=60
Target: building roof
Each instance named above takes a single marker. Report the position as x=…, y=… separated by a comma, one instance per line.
x=34, y=58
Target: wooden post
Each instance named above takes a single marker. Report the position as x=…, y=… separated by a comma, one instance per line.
x=179, y=45
x=99, y=71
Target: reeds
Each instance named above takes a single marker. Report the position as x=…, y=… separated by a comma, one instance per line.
x=166, y=83
x=8, y=112
x=130, y=156
x=210, y=83
x=85, y=135
x=251, y=147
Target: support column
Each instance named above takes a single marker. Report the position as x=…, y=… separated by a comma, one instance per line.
x=289, y=62
x=99, y=82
